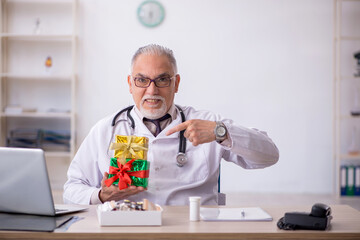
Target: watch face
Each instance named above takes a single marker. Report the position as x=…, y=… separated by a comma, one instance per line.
x=221, y=131
x=151, y=13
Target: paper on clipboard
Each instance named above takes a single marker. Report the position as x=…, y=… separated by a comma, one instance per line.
x=234, y=214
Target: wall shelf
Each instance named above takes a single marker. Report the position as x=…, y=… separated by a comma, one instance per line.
x=32, y=37
x=49, y=154
x=349, y=78
x=349, y=38
x=346, y=84
x=38, y=115
x=348, y=117
x=32, y=32
x=350, y=157
x=38, y=77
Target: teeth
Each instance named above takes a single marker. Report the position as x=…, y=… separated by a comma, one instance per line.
x=152, y=100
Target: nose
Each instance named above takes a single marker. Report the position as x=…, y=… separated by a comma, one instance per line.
x=152, y=89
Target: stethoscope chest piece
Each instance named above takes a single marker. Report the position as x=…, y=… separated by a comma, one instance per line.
x=181, y=159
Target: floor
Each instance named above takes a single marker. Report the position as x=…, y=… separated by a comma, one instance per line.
x=272, y=199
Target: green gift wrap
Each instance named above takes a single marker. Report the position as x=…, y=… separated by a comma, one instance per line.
x=134, y=172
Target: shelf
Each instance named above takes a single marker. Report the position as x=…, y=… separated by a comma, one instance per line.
x=38, y=115
x=34, y=37
x=349, y=38
x=348, y=117
x=33, y=97
x=57, y=154
x=349, y=197
x=350, y=157
x=346, y=39
x=42, y=1
x=37, y=77
x=348, y=78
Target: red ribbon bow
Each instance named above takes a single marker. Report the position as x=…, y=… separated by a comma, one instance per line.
x=122, y=173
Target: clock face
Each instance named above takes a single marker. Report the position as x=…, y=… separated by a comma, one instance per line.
x=151, y=13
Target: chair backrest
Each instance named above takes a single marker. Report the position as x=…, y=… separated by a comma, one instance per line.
x=221, y=196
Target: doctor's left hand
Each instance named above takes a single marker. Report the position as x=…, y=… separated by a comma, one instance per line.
x=197, y=131
x=114, y=193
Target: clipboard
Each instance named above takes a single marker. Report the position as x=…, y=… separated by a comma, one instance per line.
x=234, y=214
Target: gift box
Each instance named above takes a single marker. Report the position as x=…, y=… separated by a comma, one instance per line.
x=134, y=172
x=130, y=147
x=129, y=165
x=129, y=218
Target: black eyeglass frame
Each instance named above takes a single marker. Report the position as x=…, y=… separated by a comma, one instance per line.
x=155, y=81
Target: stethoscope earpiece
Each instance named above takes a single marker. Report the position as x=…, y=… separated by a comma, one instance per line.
x=181, y=159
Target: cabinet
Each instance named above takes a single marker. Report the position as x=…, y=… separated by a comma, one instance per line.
x=347, y=96
x=38, y=75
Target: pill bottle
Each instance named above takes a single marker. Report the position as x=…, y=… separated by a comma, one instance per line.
x=194, y=208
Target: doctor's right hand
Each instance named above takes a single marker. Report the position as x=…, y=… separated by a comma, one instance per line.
x=114, y=193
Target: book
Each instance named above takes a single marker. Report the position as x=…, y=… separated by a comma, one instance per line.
x=357, y=180
x=343, y=180
x=350, y=179
x=39, y=138
x=350, y=187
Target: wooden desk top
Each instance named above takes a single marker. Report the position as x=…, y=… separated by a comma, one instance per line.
x=176, y=225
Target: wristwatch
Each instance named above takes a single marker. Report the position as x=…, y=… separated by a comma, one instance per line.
x=220, y=131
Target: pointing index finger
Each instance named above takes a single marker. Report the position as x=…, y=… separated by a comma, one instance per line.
x=177, y=128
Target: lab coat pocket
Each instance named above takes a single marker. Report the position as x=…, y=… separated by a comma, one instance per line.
x=197, y=167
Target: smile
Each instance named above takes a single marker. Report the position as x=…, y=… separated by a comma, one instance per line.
x=152, y=102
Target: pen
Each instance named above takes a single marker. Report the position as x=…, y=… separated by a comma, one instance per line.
x=242, y=213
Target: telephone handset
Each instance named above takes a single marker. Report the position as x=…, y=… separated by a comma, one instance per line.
x=318, y=219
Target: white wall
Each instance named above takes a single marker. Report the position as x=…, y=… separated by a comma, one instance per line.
x=263, y=63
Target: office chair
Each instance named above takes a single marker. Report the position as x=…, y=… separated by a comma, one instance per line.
x=221, y=196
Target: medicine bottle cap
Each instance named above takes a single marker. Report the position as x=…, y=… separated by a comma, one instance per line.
x=194, y=199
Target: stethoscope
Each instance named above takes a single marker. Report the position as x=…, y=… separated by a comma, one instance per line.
x=181, y=158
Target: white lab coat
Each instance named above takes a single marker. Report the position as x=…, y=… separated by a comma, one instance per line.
x=168, y=183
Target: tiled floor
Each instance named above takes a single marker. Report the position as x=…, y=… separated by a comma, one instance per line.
x=272, y=199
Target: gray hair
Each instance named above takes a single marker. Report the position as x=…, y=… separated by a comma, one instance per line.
x=154, y=49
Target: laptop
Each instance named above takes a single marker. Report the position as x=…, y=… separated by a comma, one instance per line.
x=25, y=186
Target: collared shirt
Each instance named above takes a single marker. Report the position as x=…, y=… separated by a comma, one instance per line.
x=163, y=124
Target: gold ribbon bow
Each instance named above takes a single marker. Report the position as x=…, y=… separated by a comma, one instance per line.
x=128, y=147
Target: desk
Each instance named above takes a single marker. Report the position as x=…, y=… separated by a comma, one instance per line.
x=175, y=225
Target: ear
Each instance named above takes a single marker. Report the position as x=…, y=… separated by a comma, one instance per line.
x=130, y=83
x=177, y=82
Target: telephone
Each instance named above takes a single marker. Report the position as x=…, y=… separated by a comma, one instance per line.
x=318, y=219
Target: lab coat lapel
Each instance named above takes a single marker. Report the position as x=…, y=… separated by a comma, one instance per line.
x=140, y=128
x=162, y=134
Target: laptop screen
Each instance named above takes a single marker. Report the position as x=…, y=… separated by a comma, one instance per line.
x=24, y=182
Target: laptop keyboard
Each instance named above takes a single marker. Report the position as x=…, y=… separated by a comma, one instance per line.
x=60, y=210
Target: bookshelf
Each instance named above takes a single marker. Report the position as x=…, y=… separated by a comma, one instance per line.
x=38, y=46
x=346, y=95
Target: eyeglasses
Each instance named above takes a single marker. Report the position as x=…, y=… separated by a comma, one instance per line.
x=160, y=82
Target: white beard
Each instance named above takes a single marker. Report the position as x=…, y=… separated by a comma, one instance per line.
x=156, y=112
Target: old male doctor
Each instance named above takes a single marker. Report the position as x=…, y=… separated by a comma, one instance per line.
x=153, y=83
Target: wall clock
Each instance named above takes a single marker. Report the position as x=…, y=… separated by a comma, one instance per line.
x=151, y=13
